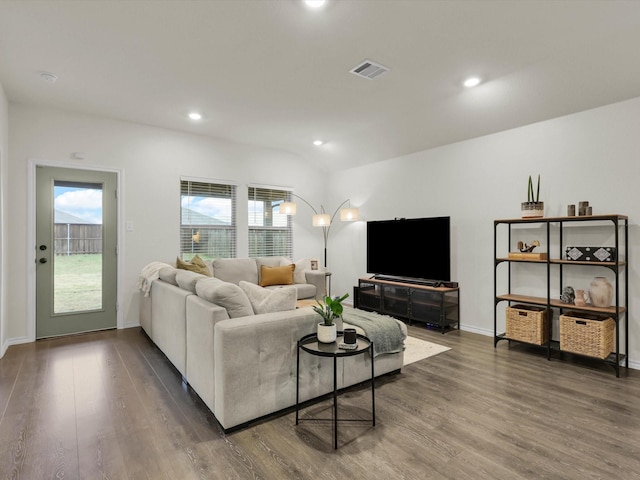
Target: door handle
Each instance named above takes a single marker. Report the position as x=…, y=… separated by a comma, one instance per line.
x=43, y=260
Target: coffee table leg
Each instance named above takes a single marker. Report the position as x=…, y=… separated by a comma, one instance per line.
x=297, y=380
x=373, y=387
x=335, y=404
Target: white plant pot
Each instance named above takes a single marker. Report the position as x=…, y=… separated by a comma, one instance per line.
x=327, y=333
x=532, y=209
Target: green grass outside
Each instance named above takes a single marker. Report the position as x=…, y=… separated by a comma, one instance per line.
x=78, y=283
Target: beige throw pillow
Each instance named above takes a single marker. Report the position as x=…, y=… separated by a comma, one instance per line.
x=195, y=265
x=298, y=274
x=187, y=280
x=227, y=295
x=267, y=301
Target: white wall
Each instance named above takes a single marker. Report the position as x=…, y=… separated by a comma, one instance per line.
x=591, y=156
x=152, y=160
x=4, y=142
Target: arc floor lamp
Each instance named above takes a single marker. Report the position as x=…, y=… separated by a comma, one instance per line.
x=321, y=218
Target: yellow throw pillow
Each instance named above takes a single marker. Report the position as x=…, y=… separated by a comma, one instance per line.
x=276, y=275
x=195, y=265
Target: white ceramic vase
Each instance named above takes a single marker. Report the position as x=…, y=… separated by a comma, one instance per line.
x=532, y=209
x=601, y=292
x=327, y=333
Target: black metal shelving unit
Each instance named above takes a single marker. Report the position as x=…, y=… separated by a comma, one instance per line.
x=619, y=311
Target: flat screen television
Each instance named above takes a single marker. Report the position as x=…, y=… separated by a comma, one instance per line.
x=416, y=248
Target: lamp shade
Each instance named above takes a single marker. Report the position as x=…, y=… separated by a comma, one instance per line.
x=349, y=214
x=288, y=208
x=321, y=220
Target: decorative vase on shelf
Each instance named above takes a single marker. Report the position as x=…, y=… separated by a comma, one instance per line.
x=327, y=333
x=601, y=292
x=532, y=209
x=580, y=299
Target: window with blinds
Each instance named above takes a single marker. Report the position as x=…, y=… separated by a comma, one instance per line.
x=207, y=220
x=270, y=232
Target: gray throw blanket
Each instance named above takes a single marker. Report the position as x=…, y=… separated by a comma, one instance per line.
x=382, y=330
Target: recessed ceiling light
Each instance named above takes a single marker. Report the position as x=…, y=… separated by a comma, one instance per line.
x=195, y=116
x=472, y=82
x=317, y=143
x=314, y=3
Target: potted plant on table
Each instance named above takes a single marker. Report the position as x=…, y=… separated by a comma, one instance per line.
x=533, y=207
x=329, y=310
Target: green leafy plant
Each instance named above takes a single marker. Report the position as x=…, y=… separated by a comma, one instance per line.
x=530, y=195
x=331, y=308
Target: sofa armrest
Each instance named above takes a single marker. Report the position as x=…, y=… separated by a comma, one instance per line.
x=202, y=317
x=319, y=279
x=168, y=324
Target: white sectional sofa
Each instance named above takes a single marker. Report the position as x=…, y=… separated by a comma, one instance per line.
x=243, y=364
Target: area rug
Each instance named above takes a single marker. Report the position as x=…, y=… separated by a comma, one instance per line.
x=416, y=349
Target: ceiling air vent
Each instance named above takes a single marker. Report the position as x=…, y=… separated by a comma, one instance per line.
x=369, y=69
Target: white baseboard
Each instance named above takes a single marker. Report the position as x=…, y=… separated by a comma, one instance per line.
x=489, y=333
x=13, y=341
x=21, y=340
x=480, y=331
x=634, y=365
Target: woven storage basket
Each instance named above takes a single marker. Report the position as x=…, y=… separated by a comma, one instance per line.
x=586, y=334
x=527, y=323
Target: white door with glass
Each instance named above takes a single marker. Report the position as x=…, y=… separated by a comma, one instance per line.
x=76, y=257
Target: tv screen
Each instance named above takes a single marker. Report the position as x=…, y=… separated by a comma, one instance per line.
x=413, y=248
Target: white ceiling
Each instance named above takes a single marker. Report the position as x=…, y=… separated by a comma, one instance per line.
x=274, y=73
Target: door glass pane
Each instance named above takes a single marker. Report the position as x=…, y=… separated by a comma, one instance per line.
x=77, y=270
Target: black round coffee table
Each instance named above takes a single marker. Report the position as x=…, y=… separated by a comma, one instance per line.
x=310, y=344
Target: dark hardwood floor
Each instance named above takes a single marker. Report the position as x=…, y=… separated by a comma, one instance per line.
x=109, y=405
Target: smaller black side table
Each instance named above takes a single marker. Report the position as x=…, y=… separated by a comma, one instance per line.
x=309, y=343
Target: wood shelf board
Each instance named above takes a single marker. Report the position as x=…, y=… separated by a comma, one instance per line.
x=581, y=218
x=577, y=262
x=542, y=301
x=410, y=285
x=396, y=298
x=554, y=345
x=521, y=260
x=558, y=261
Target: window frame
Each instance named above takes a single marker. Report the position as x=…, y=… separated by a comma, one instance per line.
x=208, y=188
x=275, y=195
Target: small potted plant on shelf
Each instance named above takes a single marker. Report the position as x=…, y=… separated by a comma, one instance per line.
x=533, y=207
x=329, y=310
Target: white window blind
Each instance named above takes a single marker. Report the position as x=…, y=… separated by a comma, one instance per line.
x=207, y=220
x=270, y=232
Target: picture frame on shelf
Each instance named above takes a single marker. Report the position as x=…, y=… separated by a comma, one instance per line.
x=314, y=264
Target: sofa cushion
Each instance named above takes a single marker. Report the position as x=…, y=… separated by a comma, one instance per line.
x=187, y=279
x=227, y=295
x=235, y=269
x=269, y=301
x=303, y=290
x=276, y=275
x=195, y=265
x=168, y=274
x=298, y=273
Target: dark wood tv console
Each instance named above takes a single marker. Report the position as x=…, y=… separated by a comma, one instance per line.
x=436, y=306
